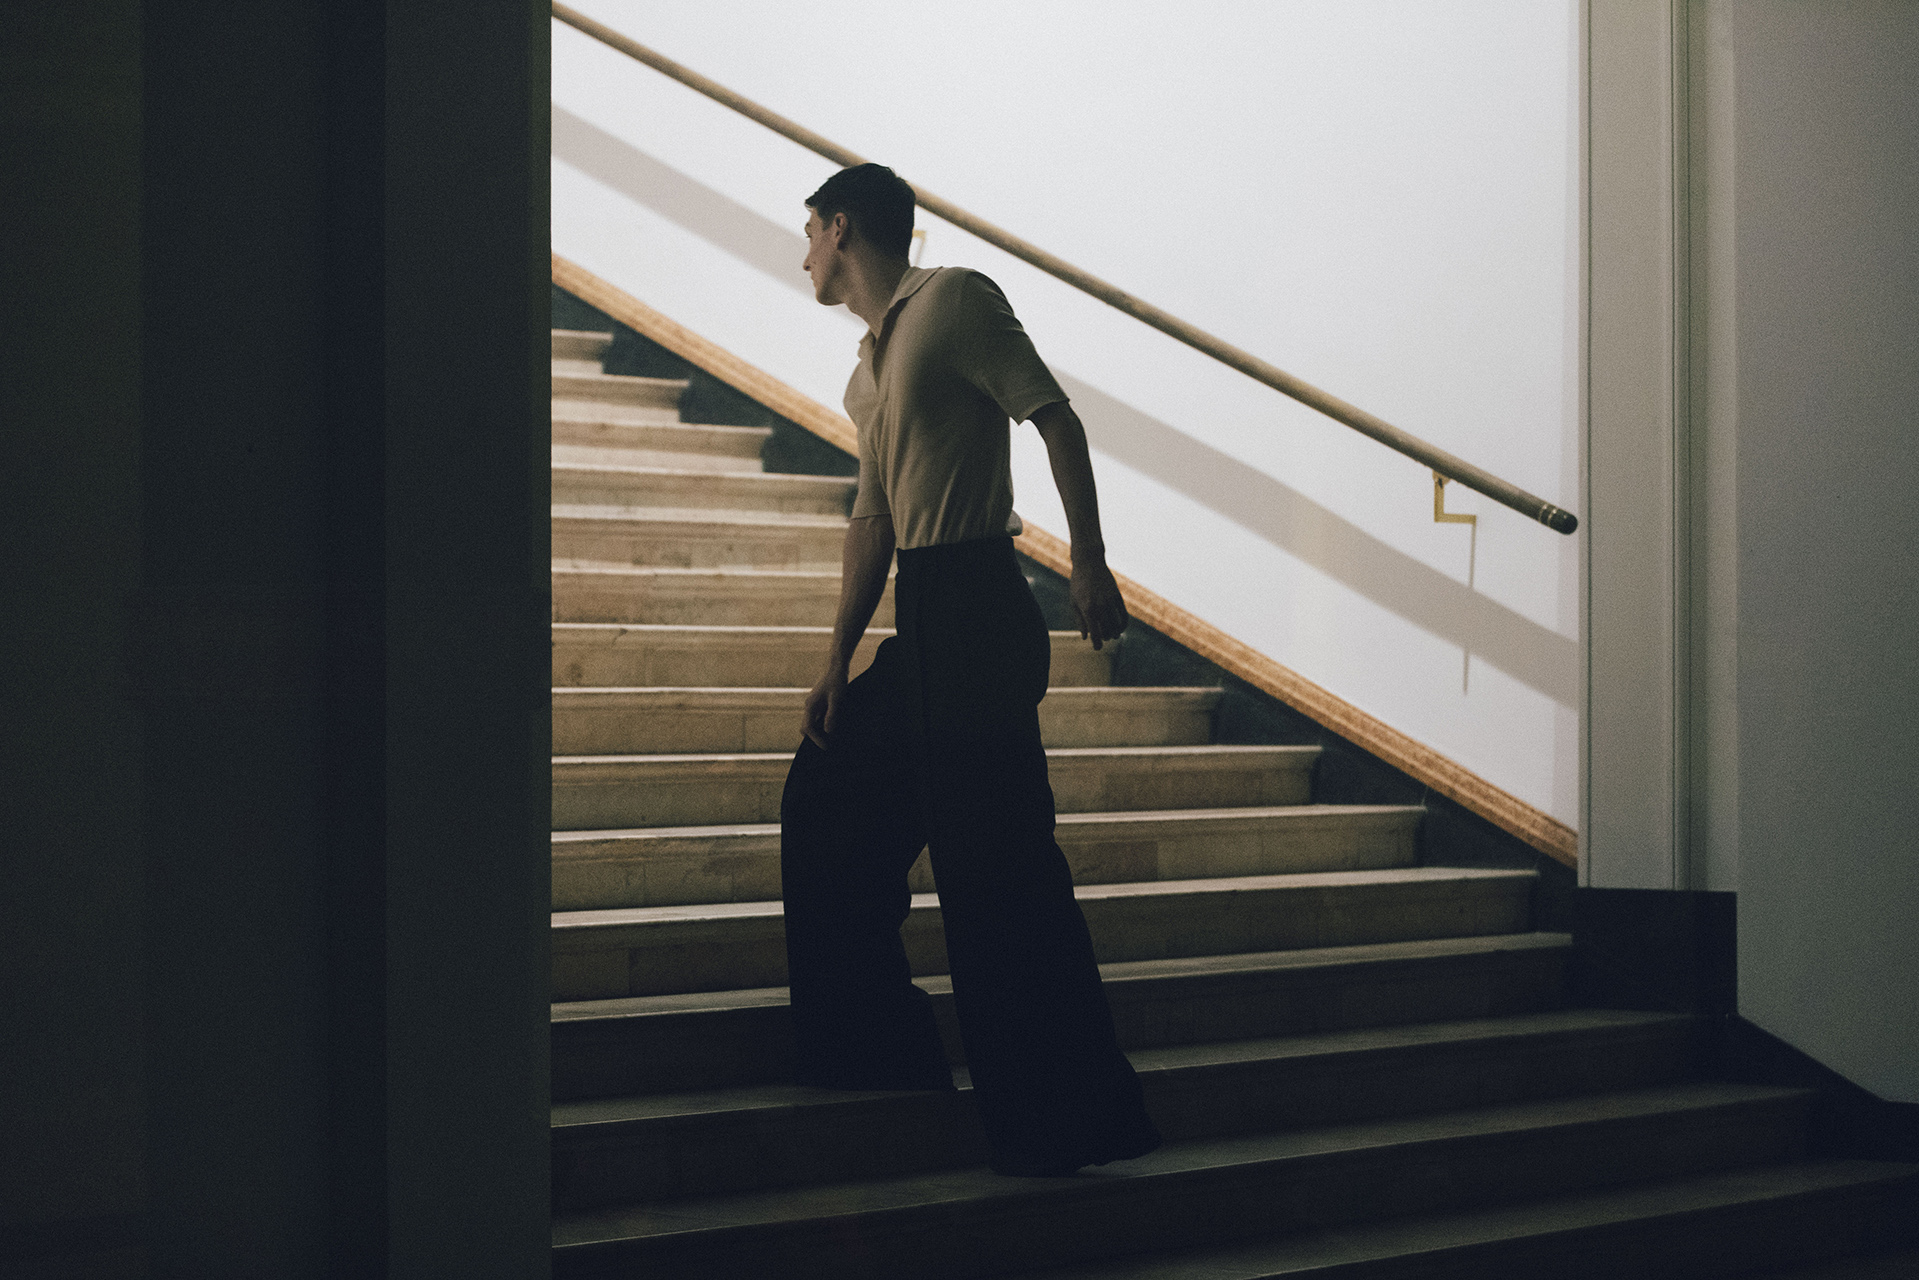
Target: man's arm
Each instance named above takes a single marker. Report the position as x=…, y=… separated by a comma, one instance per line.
x=1096, y=598
x=864, y=559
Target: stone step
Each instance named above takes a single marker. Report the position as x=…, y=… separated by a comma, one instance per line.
x=688, y=790
x=644, y=951
x=568, y=414
x=582, y=436
x=1741, y=1222
x=659, y=1044
x=703, y=597
x=590, y=537
x=666, y=866
x=668, y=489
x=649, y=1147
x=604, y=654
x=680, y=719
x=579, y=351
x=611, y=391
x=949, y=1225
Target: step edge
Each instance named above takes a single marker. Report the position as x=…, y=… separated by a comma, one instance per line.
x=617, y=1009
x=1465, y=1232
x=1120, y=817
x=1245, y=1156
x=597, y=918
x=1536, y=1028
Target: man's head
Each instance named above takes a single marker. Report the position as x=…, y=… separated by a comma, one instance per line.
x=865, y=209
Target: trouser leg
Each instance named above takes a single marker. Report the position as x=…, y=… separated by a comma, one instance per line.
x=1052, y=1085
x=850, y=829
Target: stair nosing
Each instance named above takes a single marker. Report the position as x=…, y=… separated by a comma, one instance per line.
x=726, y=571
x=589, y=513
x=593, y=1116
x=1232, y=965
x=765, y=479
x=1132, y=700
x=610, y=918
x=1245, y=1154
x=579, y=414
x=1195, y=692
x=760, y=630
x=1228, y=750
x=1117, y=817
x=1455, y=1234
x=625, y=379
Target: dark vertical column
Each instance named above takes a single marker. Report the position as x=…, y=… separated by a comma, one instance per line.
x=228, y=639
x=467, y=640
x=354, y=678
x=72, y=1187
x=273, y=704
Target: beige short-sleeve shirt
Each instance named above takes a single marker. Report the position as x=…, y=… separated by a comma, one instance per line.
x=932, y=398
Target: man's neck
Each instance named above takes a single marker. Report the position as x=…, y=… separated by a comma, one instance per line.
x=871, y=282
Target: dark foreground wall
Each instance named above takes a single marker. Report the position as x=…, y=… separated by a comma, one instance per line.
x=273, y=485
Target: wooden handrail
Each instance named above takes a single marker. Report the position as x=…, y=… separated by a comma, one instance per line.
x=1448, y=778
x=1453, y=468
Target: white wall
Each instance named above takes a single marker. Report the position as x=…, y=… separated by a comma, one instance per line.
x=1825, y=108
x=1753, y=311
x=1379, y=197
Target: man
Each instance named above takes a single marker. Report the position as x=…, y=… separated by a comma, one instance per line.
x=937, y=743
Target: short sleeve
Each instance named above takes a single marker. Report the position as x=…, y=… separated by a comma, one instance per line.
x=992, y=351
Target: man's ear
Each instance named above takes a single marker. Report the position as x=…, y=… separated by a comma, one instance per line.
x=841, y=229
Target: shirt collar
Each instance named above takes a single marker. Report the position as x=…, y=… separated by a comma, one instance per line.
x=909, y=285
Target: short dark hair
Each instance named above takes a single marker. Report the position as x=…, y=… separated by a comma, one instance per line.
x=875, y=200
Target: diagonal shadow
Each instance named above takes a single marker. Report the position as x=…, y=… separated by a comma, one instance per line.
x=1280, y=514
x=1270, y=509
x=720, y=221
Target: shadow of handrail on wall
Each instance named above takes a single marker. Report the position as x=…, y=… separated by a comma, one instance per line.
x=1279, y=514
x=714, y=217
x=1274, y=511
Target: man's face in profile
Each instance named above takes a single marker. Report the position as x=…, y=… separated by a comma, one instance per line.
x=822, y=256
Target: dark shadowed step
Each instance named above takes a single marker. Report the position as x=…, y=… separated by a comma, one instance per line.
x=1713, y=1225
x=647, y=1044
x=627, y=1150
x=966, y=1223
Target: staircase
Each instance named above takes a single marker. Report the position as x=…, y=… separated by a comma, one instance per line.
x=1362, y=1067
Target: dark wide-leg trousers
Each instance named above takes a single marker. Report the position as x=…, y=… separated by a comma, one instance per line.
x=937, y=745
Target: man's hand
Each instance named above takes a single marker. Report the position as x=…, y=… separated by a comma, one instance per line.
x=821, y=711
x=1097, y=602
x=864, y=557
x=1096, y=599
